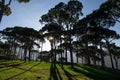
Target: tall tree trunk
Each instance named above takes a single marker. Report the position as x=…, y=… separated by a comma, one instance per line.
x=25, y=54
x=14, y=49
x=66, y=55
x=11, y=48
x=77, y=58
x=61, y=52
x=54, y=51
x=41, y=46
x=102, y=56
x=30, y=47
x=29, y=58
x=82, y=59
x=88, y=59
x=71, y=53
x=111, y=59
x=116, y=62
x=52, y=55
x=14, y=52
x=2, y=9
x=94, y=61
x=61, y=59
x=19, y=52
x=76, y=55
x=87, y=54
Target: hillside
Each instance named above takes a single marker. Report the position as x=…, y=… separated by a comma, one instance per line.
x=19, y=70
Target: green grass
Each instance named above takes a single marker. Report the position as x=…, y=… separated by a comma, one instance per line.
x=19, y=70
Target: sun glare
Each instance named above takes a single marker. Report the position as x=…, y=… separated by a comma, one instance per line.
x=46, y=46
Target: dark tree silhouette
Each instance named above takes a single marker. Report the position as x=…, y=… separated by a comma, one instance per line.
x=22, y=37
x=5, y=7
x=65, y=15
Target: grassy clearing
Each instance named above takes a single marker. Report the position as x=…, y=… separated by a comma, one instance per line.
x=18, y=70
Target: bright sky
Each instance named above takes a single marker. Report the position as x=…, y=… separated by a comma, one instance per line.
x=28, y=15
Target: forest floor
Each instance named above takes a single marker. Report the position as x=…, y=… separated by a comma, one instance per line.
x=20, y=70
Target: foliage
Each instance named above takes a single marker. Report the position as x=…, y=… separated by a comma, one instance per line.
x=5, y=8
x=89, y=38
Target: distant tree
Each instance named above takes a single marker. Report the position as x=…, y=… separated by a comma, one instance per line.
x=94, y=28
x=44, y=56
x=76, y=47
x=115, y=51
x=4, y=49
x=22, y=36
x=66, y=47
x=109, y=36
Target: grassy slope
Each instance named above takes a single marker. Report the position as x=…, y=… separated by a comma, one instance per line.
x=18, y=70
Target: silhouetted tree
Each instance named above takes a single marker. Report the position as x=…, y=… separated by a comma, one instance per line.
x=115, y=51
x=67, y=15
x=22, y=36
x=5, y=7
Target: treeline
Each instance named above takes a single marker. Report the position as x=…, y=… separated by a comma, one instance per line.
x=90, y=38
x=20, y=38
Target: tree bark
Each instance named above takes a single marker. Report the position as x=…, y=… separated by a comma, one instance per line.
x=76, y=55
x=71, y=54
x=66, y=55
x=116, y=62
x=25, y=53
x=88, y=55
x=102, y=56
x=111, y=59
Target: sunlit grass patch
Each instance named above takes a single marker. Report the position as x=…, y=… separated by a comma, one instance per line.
x=20, y=70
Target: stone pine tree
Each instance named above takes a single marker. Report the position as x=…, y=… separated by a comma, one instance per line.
x=66, y=15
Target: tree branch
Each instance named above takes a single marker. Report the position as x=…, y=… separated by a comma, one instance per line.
x=118, y=20
x=9, y=3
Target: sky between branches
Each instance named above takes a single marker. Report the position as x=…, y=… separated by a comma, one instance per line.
x=28, y=15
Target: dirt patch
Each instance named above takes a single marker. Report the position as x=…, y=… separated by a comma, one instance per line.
x=42, y=71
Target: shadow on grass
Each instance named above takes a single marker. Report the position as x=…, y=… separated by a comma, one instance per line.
x=3, y=60
x=96, y=74
x=54, y=72
x=22, y=72
x=66, y=72
x=10, y=66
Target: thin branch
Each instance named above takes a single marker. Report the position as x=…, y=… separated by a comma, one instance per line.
x=118, y=20
x=9, y=3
